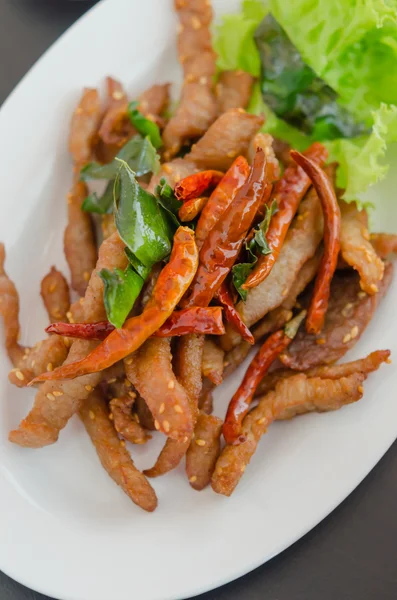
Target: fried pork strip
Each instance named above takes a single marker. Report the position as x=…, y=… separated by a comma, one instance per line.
x=300, y=245
x=204, y=450
x=150, y=371
x=226, y=139
x=187, y=365
x=356, y=248
x=293, y=396
x=212, y=365
x=197, y=108
x=55, y=294
x=350, y=310
x=364, y=366
x=44, y=356
x=233, y=90
x=124, y=420
x=79, y=241
x=84, y=126
x=9, y=310
x=384, y=244
x=112, y=453
x=57, y=401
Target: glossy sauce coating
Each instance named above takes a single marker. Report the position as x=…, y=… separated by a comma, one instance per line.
x=332, y=221
x=195, y=185
x=288, y=193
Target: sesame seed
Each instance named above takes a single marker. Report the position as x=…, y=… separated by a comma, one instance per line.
x=58, y=393
x=122, y=443
x=162, y=408
x=193, y=478
x=89, y=388
x=69, y=316
x=111, y=417
x=388, y=361
x=189, y=78
x=261, y=420
x=180, y=28
x=132, y=395
x=66, y=341
x=226, y=364
x=136, y=417
x=347, y=338
x=166, y=426
x=203, y=80
x=374, y=288
x=20, y=375
x=360, y=389
x=219, y=470
x=50, y=396
x=128, y=361
x=347, y=309
x=320, y=341
x=364, y=233
x=178, y=409
x=167, y=169
x=157, y=425
x=86, y=275
x=92, y=415
x=185, y=439
x=50, y=367
x=52, y=288
x=243, y=469
x=118, y=95
x=354, y=331
x=231, y=154
x=200, y=442
x=361, y=294
x=33, y=363
x=113, y=380
x=284, y=292
x=171, y=384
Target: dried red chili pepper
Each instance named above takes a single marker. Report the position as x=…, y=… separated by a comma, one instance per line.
x=232, y=315
x=190, y=209
x=221, y=198
x=223, y=243
x=241, y=401
x=207, y=321
x=332, y=222
x=195, y=185
x=171, y=284
x=288, y=193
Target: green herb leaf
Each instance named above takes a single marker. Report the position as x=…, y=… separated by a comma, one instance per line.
x=139, y=154
x=240, y=273
x=139, y=220
x=261, y=230
x=169, y=202
x=145, y=126
x=122, y=288
x=102, y=204
x=294, y=92
x=139, y=267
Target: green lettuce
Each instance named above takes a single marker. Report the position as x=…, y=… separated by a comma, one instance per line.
x=353, y=47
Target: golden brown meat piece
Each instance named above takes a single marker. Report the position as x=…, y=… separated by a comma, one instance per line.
x=112, y=453
x=84, y=126
x=187, y=365
x=226, y=139
x=57, y=401
x=172, y=172
x=349, y=312
x=212, y=365
x=125, y=422
x=143, y=414
x=79, y=241
x=108, y=225
x=206, y=401
x=44, y=356
x=197, y=108
x=356, y=248
x=203, y=451
x=233, y=90
x=364, y=366
x=293, y=396
x=264, y=141
x=150, y=371
x=9, y=310
x=154, y=101
x=55, y=294
x=303, y=278
x=300, y=245
x=384, y=244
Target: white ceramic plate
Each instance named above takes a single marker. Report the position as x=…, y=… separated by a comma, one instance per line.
x=65, y=528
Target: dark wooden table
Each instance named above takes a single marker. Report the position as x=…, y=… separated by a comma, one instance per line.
x=352, y=555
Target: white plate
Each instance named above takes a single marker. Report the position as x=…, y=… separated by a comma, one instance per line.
x=65, y=529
